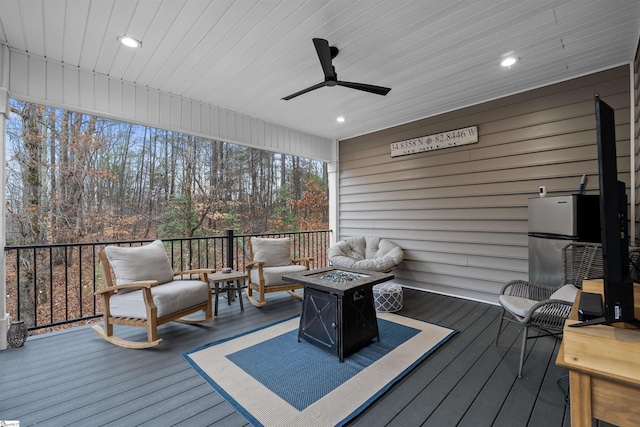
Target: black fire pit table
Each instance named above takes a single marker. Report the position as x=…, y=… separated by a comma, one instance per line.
x=338, y=311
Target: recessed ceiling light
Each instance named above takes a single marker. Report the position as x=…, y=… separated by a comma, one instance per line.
x=130, y=42
x=509, y=61
x=341, y=119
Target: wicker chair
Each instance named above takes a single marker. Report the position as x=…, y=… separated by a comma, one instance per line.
x=545, y=308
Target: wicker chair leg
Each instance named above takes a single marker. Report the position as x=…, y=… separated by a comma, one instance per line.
x=523, y=350
x=500, y=326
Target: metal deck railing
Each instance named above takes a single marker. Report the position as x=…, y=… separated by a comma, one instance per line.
x=54, y=285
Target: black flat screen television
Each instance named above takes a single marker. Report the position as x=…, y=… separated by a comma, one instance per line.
x=618, y=285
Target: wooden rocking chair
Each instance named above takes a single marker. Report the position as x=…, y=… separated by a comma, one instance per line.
x=145, y=293
x=270, y=258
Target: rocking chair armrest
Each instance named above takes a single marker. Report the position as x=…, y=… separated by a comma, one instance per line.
x=196, y=271
x=203, y=272
x=253, y=264
x=306, y=260
x=136, y=285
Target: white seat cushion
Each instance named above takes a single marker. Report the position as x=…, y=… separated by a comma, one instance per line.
x=521, y=306
x=273, y=275
x=169, y=298
x=517, y=305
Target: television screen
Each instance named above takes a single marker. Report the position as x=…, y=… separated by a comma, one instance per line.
x=618, y=285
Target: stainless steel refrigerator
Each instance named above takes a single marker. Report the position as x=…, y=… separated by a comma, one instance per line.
x=553, y=223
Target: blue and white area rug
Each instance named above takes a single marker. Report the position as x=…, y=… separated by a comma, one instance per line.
x=274, y=380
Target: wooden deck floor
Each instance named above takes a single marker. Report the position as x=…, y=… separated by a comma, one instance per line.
x=76, y=378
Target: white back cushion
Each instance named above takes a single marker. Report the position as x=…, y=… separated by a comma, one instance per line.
x=274, y=252
x=148, y=262
x=366, y=253
x=566, y=293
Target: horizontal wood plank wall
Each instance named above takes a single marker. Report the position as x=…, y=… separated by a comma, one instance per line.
x=36, y=79
x=461, y=213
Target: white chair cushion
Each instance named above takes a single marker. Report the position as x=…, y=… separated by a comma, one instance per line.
x=352, y=247
x=274, y=252
x=148, y=262
x=273, y=275
x=366, y=253
x=565, y=293
x=363, y=264
x=169, y=298
x=521, y=306
x=517, y=305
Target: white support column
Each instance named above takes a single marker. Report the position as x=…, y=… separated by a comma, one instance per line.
x=333, y=169
x=5, y=320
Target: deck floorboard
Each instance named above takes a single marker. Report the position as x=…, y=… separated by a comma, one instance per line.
x=74, y=378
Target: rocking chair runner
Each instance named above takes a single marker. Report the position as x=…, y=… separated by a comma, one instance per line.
x=270, y=258
x=147, y=293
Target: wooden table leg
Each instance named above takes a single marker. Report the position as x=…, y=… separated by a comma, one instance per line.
x=580, y=390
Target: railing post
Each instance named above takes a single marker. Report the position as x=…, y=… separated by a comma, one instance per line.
x=229, y=248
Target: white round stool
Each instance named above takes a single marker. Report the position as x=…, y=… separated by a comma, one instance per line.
x=387, y=297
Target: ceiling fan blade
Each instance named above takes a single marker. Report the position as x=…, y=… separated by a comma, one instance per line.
x=378, y=90
x=324, y=55
x=303, y=91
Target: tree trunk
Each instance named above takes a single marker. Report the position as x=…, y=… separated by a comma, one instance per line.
x=34, y=232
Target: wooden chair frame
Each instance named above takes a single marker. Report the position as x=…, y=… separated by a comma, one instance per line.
x=152, y=322
x=261, y=288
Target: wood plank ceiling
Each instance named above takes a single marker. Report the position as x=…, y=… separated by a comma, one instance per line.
x=245, y=55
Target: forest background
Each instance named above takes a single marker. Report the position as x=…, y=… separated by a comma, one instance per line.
x=79, y=178
x=73, y=177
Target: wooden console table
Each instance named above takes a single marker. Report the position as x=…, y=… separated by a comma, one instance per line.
x=604, y=369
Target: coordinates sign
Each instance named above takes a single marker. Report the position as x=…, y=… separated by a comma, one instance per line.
x=452, y=138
